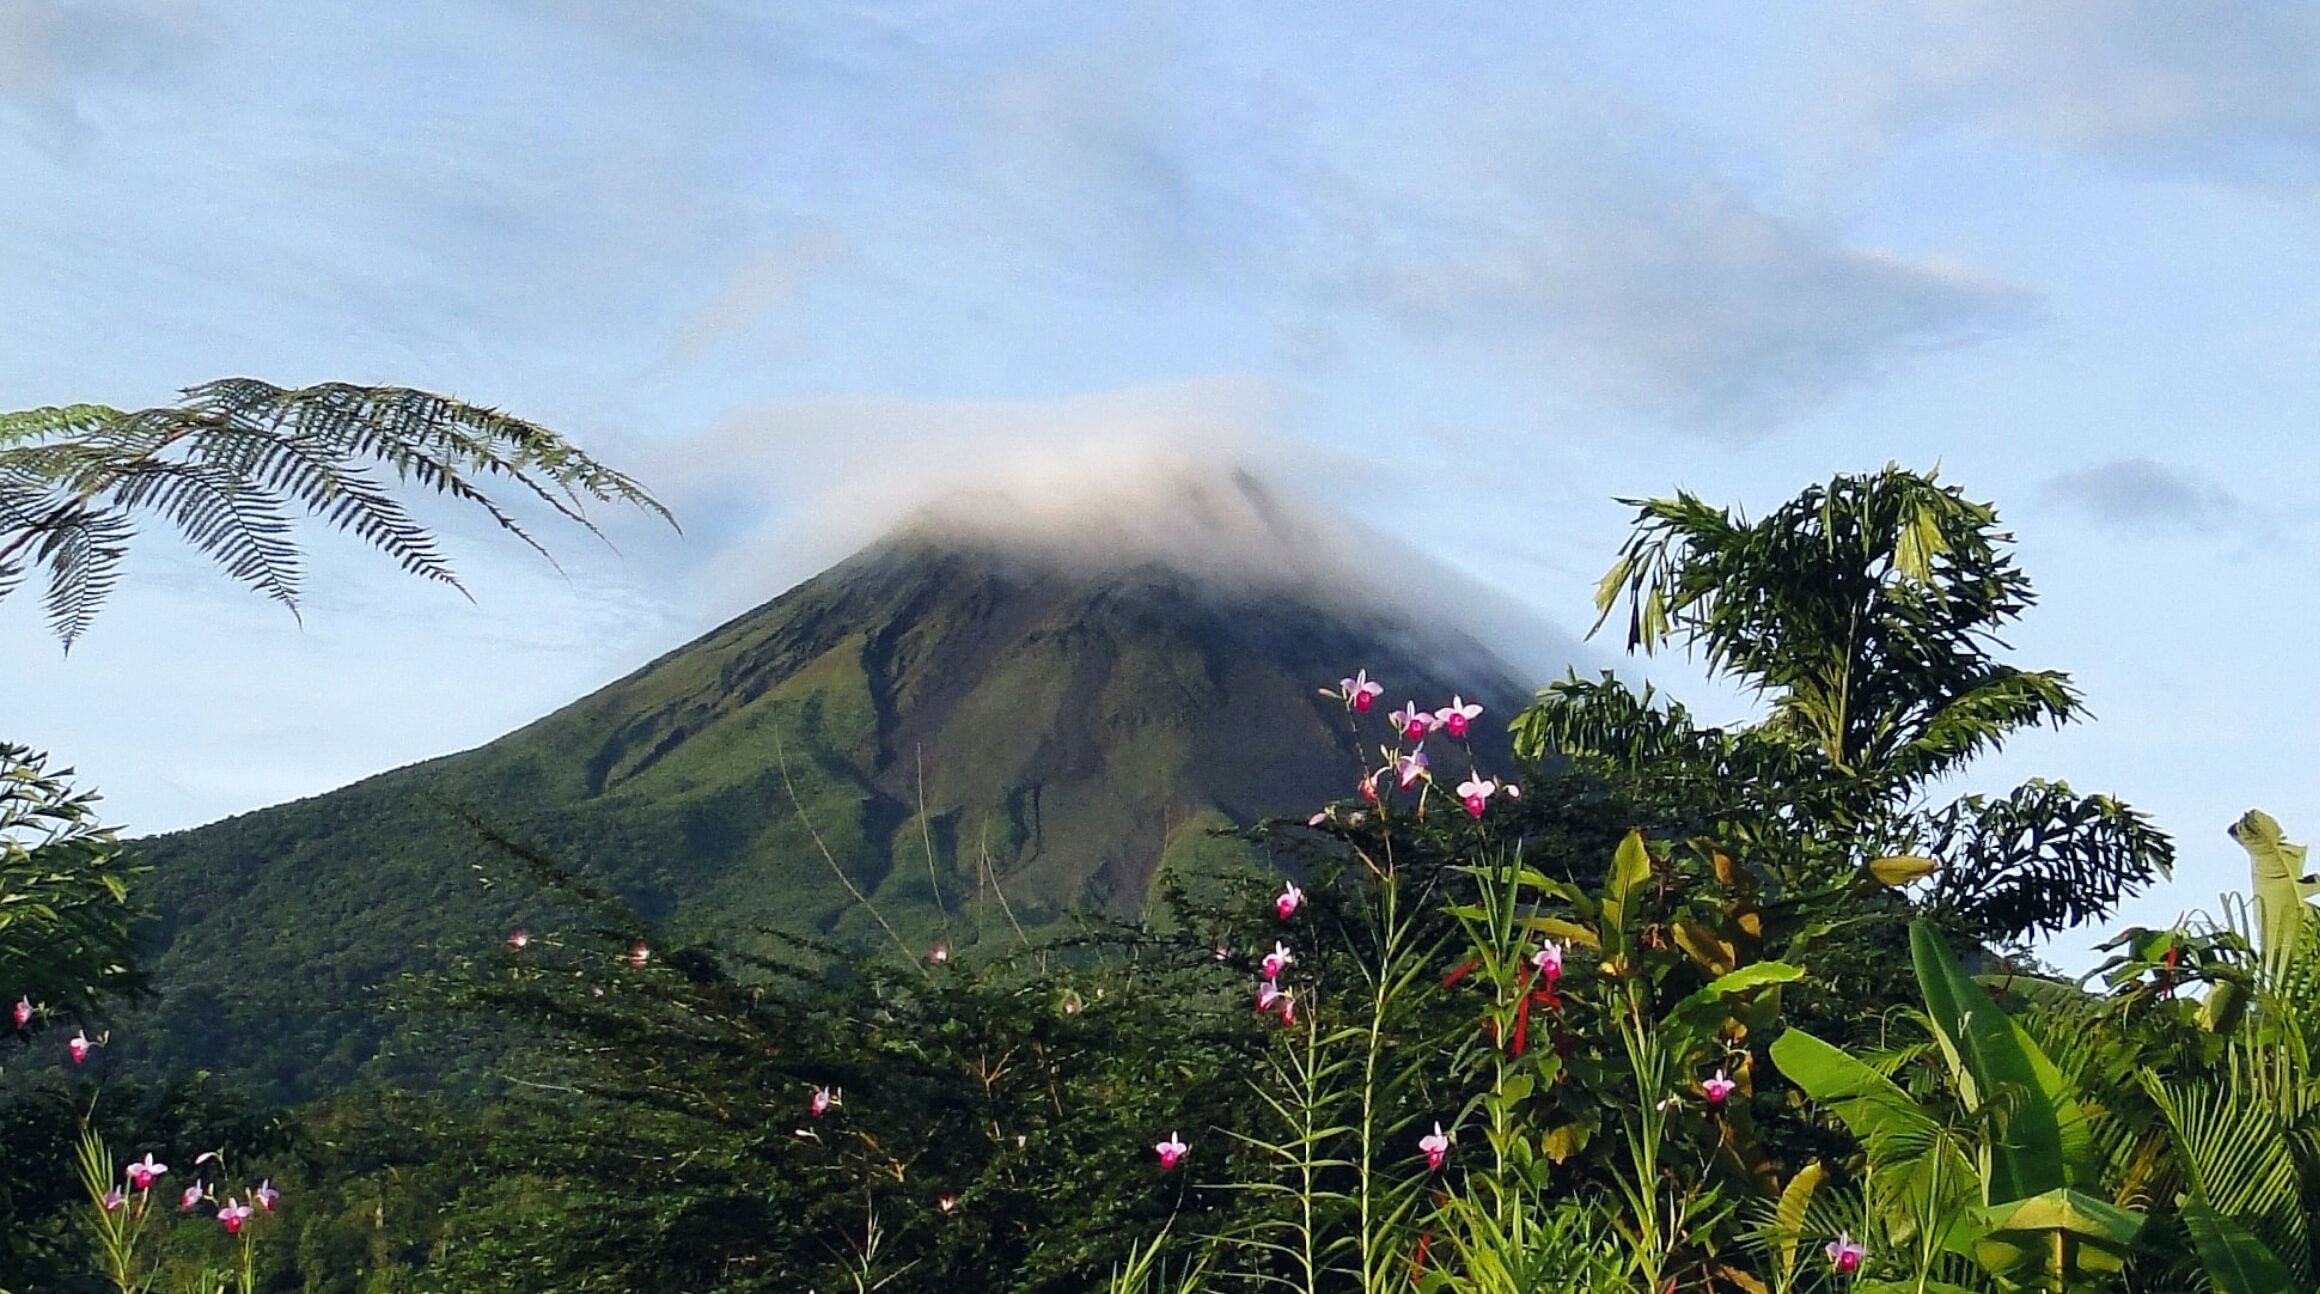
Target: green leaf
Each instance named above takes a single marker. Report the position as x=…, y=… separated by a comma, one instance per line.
x=2236, y=1262
x=1870, y=1104
x=2282, y=890
x=1788, y=1216
x=2023, y=1235
x=1567, y=931
x=2046, y=1144
x=1701, y=1014
x=1630, y=871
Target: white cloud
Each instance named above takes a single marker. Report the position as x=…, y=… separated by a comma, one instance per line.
x=2135, y=494
x=1190, y=476
x=1695, y=307
x=2216, y=87
x=49, y=47
x=760, y=286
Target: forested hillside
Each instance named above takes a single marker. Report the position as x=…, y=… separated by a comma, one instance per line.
x=954, y=741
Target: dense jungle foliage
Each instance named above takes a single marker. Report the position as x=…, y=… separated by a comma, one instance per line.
x=1660, y=1007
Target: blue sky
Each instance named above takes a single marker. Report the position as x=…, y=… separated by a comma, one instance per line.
x=1466, y=278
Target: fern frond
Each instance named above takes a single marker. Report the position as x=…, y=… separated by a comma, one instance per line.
x=229, y=465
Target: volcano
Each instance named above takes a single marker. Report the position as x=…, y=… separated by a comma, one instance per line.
x=946, y=738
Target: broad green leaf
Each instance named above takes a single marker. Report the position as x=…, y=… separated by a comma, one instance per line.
x=2282, y=891
x=2046, y=1143
x=1558, y=928
x=2236, y=1262
x=1700, y=943
x=1563, y=1142
x=1917, y=1170
x=1630, y=871
x=1870, y=1104
x=2022, y=1235
x=1701, y=1014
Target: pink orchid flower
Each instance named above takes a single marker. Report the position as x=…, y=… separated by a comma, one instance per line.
x=1845, y=1254
x=1409, y=768
x=1360, y=692
x=266, y=1196
x=1317, y=819
x=1513, y=792
x=946, y=1202
x=1457, y=715
x=1549, y=961
x=1475, y=793
x=1412, y=722
x=1718, y=1088
x=520, y=938
x=23, y=1012
x=939, y=954
x=1268, y=993
x=79, y=1046
x=193, y=1195
x=1288, y=1007
x=114, y=1199
x=1277, y=960
x=1288, y=900
x=1435, y=1146
x=234, y=1214
x=1170, y=1150
x=824, y=1098
x=639, y=954
x=1369, y=789
x=142, y=1173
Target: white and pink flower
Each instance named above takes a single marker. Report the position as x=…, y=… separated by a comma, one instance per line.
x=233, y=1214
x=193, y=1195
x=1457, y=716
x=1360, y=691
x=1436, y=1146
x=1845, y=1254
x=1412, y=722
x=824, y=1098
x=1288, y=900
x=1409, y=768
x=142, y=1173
x=1277, y=960
x=519, y=938
x=1268, y=993
x=1719, y=1088
x=1171, y=1151
x=266, y=1196
x=79, y=1046
x=1475, y=793
x=1548, y=961
x=639, y=954
x=23, y=1012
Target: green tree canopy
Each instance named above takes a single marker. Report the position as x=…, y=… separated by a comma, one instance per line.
x=1868, y=614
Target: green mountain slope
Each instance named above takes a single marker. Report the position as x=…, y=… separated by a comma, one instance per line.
x=976, y=739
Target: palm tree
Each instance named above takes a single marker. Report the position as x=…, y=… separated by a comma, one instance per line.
x=1867, y=614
